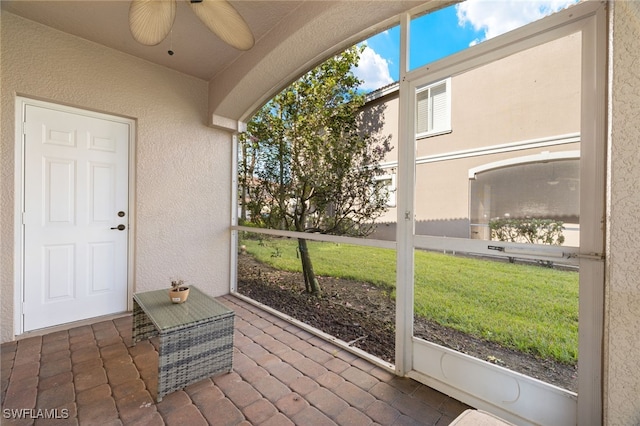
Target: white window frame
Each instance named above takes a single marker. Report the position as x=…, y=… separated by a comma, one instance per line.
x=390, y=182
x=446, y=128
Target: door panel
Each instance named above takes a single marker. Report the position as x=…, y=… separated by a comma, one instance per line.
x=101, y=193
x=59, y=264
x=101, y=277
x=76, y=182
x=59, y=191
x=497, y=230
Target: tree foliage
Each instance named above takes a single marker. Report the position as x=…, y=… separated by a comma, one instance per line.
x=306, y=163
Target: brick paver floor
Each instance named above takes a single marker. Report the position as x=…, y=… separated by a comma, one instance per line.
x=282, y=375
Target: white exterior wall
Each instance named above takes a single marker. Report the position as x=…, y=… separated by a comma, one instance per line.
x=622, y=314
x=183, y=167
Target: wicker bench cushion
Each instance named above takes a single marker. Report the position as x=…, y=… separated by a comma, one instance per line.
x=478, y=418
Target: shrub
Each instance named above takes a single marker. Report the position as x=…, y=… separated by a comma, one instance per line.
x=527, y=230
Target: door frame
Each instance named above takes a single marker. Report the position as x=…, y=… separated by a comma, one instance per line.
x=21, y=103
x=590, y=19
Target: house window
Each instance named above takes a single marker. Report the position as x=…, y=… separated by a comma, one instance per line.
x=388, y=185
x=539, y=190
x=433, y=109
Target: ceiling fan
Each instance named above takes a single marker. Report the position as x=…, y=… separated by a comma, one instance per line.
x=150, y=21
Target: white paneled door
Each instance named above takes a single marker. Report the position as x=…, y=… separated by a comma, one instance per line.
x=76, y=216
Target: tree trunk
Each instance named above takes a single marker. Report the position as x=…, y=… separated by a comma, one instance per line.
x=310, y=280
x=244, y=179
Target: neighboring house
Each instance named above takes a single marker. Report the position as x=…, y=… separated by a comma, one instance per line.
x=501, y=140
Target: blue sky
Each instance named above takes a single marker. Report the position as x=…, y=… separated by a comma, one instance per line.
x=448, y=31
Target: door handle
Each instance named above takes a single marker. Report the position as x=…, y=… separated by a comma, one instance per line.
x=119, y=227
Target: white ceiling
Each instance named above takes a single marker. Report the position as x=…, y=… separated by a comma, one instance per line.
x=198, y=52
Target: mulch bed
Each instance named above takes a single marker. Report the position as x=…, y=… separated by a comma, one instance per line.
x=364, y=316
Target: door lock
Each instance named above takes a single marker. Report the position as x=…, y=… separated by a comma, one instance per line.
x=119, y=227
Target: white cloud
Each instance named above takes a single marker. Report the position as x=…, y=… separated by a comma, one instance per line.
x=495, y=17
x=373, y=69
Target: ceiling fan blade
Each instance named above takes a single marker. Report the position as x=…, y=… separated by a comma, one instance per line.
x=150, y=21
x=221, y=18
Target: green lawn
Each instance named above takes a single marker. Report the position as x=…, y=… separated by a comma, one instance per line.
x=529, y=308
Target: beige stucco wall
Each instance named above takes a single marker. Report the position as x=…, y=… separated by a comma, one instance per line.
x=525, y=96
x=622, y=315
x=183, y=167
x=531, y=94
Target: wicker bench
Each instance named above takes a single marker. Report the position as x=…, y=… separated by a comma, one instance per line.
x=196, y=337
